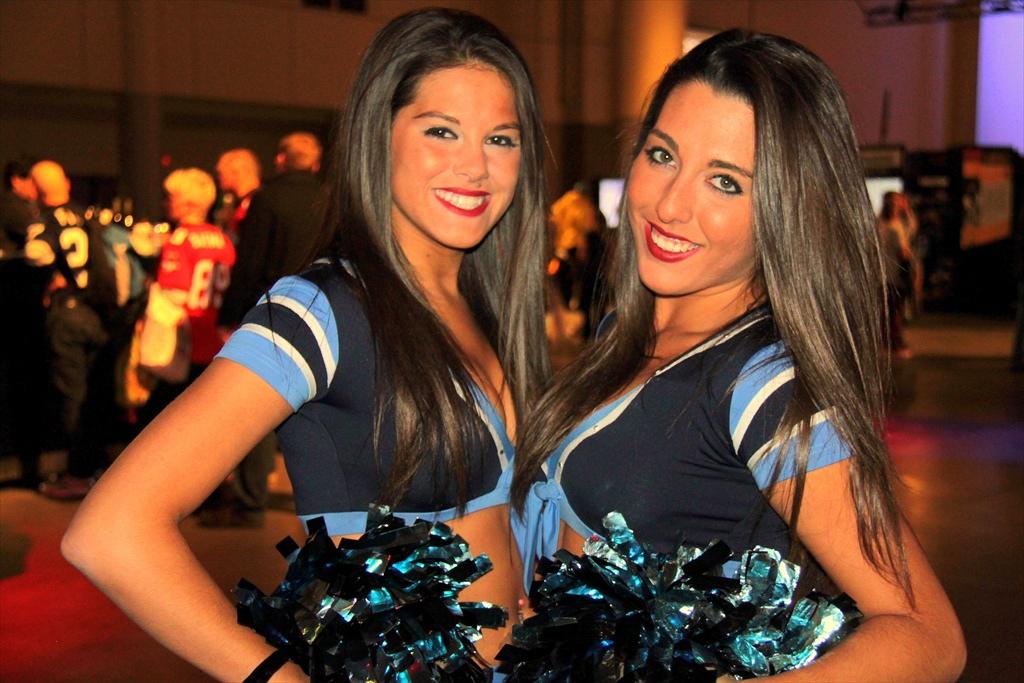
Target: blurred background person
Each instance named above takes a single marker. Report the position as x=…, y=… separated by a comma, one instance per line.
x=275, y=238
x=194, y=271
x=238, y=175
x=280, y=225
x=17, y=206
x=894, y=225
x=573, y=219
x=22, y=355
x=575, y=231
x=913, y=276
x=81, y=300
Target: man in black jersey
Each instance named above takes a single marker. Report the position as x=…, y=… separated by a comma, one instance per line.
x=22, y=355
x=81, y=298
x=17, y=207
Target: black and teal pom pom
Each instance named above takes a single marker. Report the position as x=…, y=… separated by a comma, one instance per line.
x=624, y=613
x=382, y=608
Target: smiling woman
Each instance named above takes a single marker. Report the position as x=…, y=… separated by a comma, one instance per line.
x=739, y=384
x=395, y=367
x=689, y=198
x=455, y=161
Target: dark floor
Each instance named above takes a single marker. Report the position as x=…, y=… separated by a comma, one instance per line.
x=957, y=438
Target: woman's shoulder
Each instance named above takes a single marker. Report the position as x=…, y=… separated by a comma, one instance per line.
x=744, y=356
x=305, y=330
x=324, y=284
x=751, y=337
x=322, y=298
x=327, y=274
x=761, y=351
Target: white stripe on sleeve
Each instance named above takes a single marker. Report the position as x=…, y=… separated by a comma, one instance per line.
x=301, y=310
x=756, y=402
x=755, y=459
x=282, y=345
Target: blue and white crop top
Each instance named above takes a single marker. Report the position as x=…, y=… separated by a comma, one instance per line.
x=309, y=338
x=685, y=456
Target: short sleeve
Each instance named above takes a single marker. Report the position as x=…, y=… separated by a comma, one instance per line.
x=758, y=402
x=289, y=339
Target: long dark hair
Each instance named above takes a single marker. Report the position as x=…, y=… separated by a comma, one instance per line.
x=501, y=278
x=818, y=265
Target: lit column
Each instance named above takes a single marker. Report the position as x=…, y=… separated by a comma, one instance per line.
x=651, y=36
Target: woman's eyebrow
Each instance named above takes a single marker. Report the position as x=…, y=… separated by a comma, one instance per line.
x=714, y=163
x=513, y=125
x=436, y=115
x=718, y=163
x=666, y=138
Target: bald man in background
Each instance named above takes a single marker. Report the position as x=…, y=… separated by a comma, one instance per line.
x=238, y=176
x=275, y=239
x=280, y=227
x=82, y=298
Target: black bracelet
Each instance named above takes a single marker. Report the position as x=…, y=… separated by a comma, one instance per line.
x=268, y=667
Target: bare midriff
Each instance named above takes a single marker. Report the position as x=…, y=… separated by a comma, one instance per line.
x=489, y=532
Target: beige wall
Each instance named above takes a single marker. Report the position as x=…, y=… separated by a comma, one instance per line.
x=267, y=51
x=242, y=72
x=930, y=70
x=63, y=71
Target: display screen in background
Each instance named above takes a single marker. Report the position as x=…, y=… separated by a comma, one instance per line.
x=609, y=198
x=877, y=187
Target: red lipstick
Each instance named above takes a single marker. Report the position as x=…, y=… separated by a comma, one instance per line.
x=662, y=254
x=453, y=193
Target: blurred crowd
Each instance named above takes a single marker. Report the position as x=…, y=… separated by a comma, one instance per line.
x=114, y=316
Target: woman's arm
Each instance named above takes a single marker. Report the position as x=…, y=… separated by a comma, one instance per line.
x=896, y=641
x=125, y=536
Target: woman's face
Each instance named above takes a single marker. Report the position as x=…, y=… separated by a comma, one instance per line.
x=455, y=153
x=689, y=193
